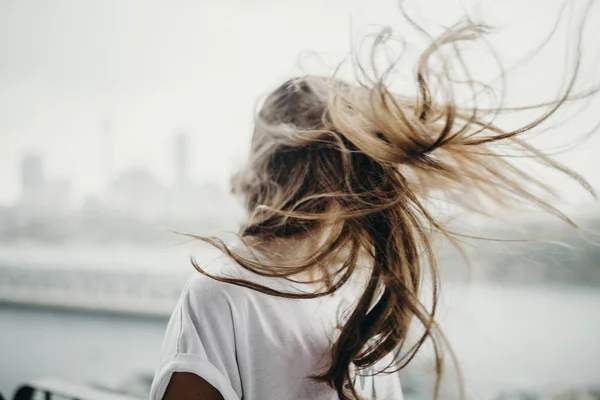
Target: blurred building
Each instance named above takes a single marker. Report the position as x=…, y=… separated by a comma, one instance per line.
x=181, y=159
x=41, y=197
x=135, y=203
x=204, y=204
x=32, y=176
x=137, y=193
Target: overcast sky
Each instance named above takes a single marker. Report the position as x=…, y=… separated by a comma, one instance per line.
x=76, y=73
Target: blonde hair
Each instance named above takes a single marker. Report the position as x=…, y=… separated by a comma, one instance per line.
x=356, y=155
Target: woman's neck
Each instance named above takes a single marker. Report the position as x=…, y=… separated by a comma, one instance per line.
x=289, y=252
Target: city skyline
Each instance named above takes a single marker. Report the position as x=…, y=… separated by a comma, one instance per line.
x=121, y=80
x=132, y=208
x=34, y=178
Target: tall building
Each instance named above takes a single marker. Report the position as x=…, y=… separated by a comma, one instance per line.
x=32, y=175
x=40, y=196
x=181, y=157
x=107, y=139
x=137, y=193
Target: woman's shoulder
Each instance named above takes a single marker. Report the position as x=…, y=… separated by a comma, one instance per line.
x=223, y=278
x=208, y=286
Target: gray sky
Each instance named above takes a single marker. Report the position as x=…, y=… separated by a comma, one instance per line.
x=71, y=68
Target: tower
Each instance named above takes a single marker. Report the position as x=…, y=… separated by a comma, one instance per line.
x=107, y=139
x=32, y=175
x=182, y=160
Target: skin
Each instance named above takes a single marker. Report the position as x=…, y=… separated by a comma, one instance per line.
x=187, y=386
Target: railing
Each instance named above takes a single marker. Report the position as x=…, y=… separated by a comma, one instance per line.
x=52, y=389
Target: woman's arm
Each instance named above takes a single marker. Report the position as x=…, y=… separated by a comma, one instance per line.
x=187, y=386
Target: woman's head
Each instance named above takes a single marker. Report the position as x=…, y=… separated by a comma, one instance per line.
x=322, y=148
x=364, y=160
x=300, y=163
x=282, y=170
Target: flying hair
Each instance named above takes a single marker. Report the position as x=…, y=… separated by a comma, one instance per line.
x=358, y=164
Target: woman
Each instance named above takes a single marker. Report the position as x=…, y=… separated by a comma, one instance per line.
x=316, y=298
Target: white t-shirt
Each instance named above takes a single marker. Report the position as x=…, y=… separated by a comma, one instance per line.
x=253, y=346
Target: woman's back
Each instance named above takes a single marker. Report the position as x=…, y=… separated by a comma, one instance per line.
x=251, y=345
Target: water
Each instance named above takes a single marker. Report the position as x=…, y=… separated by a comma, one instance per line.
x=521, y=337
x=80, y=347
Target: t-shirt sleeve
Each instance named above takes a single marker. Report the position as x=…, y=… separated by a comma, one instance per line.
x=200, y=339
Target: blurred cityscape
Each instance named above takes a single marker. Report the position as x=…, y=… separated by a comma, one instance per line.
x=138, y=211
x=135, y=204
